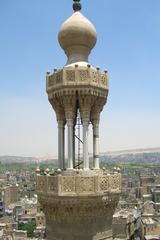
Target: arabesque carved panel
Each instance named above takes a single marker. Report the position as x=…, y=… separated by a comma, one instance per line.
x=104, y=79
x=52, y=184
x=42, y=183
x=104, y=183
x=79, y=184
x=85, y=184
x=59, y=77
x=114, y=182
x=70, y=75
x=95, y=76
x=68, y=184
x=84, y=75
x=51, y=80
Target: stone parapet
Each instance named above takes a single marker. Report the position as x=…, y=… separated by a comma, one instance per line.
x=77, y=76
x=79, y=185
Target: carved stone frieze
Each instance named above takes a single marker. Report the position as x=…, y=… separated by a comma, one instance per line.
x=52, y=184
x=79, y=184
x=59, y=77
x=85, y=184
x=68, y=184
x=41, y=184
x=77, y=76
x=103, y=79
x=70, y=76
x=95, y=76
x=84, y=75
x=55, y=79
x=62, y=207
x=115, y=182
x=51, y=80
x=104, y=183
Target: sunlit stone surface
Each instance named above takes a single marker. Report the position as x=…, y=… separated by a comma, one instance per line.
x=78, y=203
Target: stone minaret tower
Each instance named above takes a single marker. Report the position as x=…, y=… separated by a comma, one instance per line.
x=78, y=203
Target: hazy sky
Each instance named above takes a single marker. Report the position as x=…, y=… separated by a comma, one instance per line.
x=128, y=46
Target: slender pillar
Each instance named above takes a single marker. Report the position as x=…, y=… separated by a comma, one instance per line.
x=85, y=144
x=61, y=149
x=96, y=144
x=70, y=143
x=74, y=158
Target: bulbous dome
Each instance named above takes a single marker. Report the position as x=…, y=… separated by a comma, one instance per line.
x=77, y=37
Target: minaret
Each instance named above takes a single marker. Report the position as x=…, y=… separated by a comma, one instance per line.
x=78, y=204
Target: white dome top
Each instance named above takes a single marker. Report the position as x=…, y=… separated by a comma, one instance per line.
x=77, y=37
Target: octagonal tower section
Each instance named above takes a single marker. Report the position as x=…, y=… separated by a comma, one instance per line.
x=78, y=203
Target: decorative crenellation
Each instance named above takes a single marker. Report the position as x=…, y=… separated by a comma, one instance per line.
x=77, y=76
x=55, y=79
x=79, y=184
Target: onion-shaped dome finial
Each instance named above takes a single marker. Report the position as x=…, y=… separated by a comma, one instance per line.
x=77, y=36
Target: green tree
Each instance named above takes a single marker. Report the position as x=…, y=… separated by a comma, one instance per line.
x=29, y=227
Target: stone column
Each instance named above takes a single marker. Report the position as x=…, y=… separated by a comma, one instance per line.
x=74, y=159
x=95, y=119
x=61, y=145
x=69, y=105
x=96, y=144
x=85, y=144
x=85, y=104
x=70, y=143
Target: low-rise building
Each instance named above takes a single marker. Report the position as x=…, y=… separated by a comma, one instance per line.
x=127, y=225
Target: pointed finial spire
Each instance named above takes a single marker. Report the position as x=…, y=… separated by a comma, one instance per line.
x=77, y=5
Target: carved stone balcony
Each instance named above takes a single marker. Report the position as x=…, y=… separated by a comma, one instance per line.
x=64, y=185
x=81, y=203
x=77, y=77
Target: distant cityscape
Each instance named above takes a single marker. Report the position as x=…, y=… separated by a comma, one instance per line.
x=137, y=214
